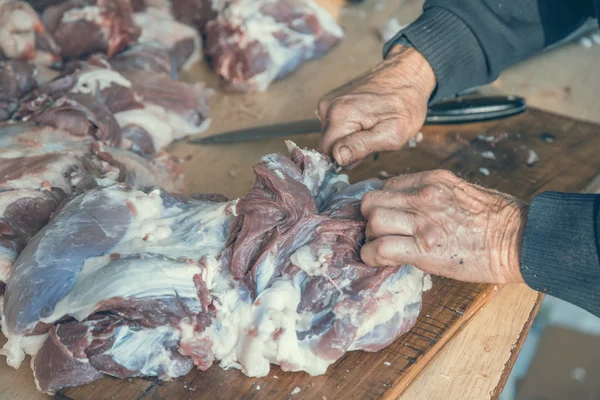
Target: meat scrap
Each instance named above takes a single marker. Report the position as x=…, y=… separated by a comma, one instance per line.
x=23, y=36
x=140, y=110
x=143, y=283
x=251, y=43
x=182, y=40
x=81, y=28
x=17, y=78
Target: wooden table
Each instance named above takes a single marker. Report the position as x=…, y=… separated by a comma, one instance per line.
x=477, y=362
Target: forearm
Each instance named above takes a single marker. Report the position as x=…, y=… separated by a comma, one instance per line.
x=470, y=42
x=560, y=248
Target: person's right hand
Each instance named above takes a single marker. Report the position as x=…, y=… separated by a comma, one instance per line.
x=378, y=111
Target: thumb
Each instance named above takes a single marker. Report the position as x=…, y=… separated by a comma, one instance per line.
x=385, y=136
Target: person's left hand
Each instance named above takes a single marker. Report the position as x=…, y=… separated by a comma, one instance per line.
x=444, y=226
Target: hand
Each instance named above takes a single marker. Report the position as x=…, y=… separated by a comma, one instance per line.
x=445, y=226
x=378, y=111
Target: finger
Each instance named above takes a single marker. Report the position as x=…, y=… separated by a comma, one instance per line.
x=420, y=179
x=390, y=251
x=388, y=221
x=384, y=199
x=384, y=136
x=343, y=118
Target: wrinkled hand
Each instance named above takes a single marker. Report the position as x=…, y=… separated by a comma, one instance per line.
x=444, y=226
x=378, y=111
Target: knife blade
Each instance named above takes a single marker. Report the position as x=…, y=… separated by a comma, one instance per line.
x=460, y=110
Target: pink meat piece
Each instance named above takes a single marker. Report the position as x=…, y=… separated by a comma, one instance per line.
x=196, y=13
x=273, y=277
x=86, y=351
x=183, y=41
x=17, y=78
x=23, y=36
x=81, y=28
x=251, y=43
x=148, y=56
x=41, y=166
x=140, y=110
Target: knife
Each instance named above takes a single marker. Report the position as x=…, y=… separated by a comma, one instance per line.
x=454, y=111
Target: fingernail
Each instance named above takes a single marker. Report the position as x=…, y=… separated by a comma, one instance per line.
x=345, y=155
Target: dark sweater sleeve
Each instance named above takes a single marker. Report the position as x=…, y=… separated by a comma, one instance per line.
x=560, y=248
x=470, y=42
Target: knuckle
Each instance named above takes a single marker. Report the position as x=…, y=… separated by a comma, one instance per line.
x=381, y=251
x=323, y=106
x=444, y=175
x=393, y=181
x=429, y=239
x=427, y=194
x=367, y=201
x=359, y=143
x=376, y=219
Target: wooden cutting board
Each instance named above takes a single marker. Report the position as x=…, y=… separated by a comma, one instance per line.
x=567, y=164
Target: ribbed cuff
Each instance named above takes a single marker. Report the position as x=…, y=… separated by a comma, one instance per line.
x=450, y=47
x=559, y=251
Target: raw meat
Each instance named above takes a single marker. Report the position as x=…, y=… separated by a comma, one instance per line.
x=136, y=109
x=40, y=166
x=117, y=237
x=182, y=40
x=196, y=13
x=23, y=36
x=253, y=42
x=150, y=56
x=171, y=110
x=132, y=283
x=81, y=28
x=17, y=78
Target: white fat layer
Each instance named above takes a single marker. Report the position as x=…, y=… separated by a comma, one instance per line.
x=314, y=264
x=162, y=5
x=158, y=25
x=164, y=126
x=144, y=351
x=54, y=171
x=89, y=13
x=17, y=24
x=243, y=332
x=251, y=336
x=12, y=349
x=395, y=294
x=171, y=232
x=32, y=344
x=320, y=166
x=97, y=79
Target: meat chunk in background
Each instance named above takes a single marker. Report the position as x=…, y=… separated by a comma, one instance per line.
x=17, y=78
x=171, y=110
x=23, y=36
x=196, y=13
x=143, y=111
x=182, y=40
x=132, y=283
x=81, y=28
x=251, y=43
x=149, y=56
